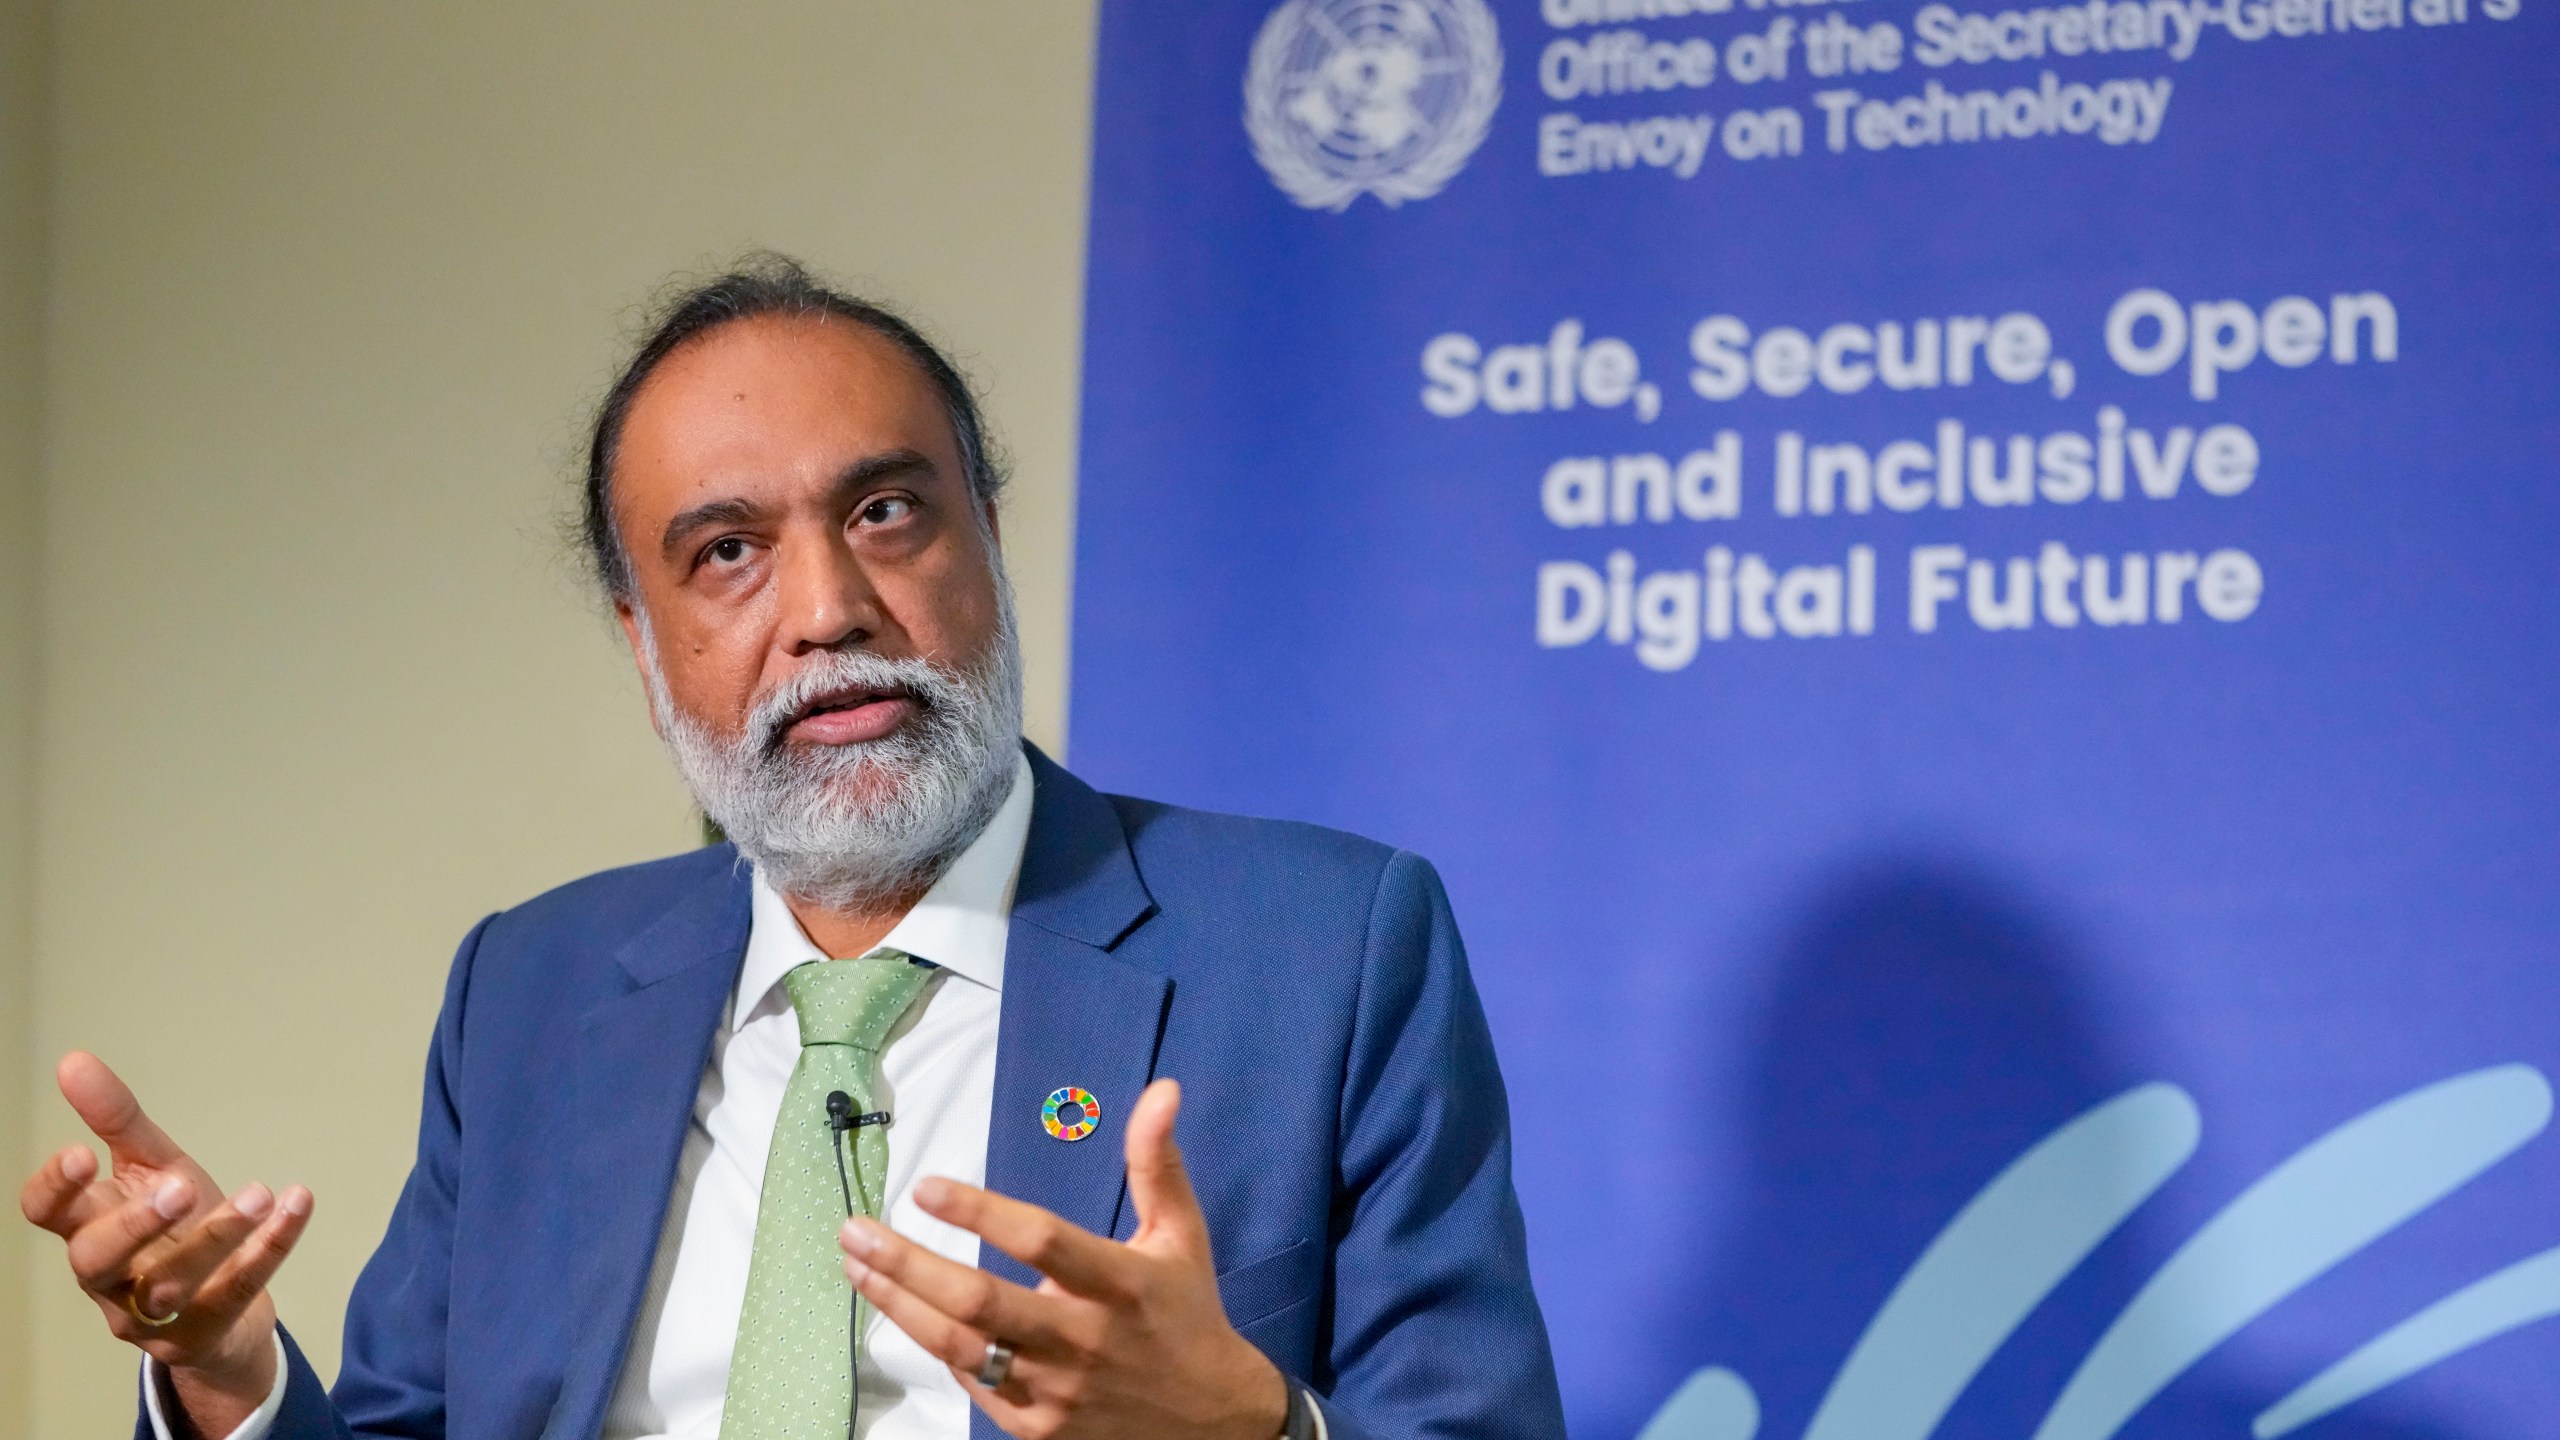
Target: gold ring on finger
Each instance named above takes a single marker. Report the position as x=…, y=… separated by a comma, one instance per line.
x=133, y=1305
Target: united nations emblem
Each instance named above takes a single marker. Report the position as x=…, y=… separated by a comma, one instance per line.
x=1389, y=97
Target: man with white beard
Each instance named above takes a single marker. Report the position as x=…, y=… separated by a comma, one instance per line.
x=795, y=1135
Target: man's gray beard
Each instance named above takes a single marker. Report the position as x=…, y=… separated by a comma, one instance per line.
x=860, y=826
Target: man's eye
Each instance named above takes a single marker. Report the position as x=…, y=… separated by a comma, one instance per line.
x=727, y=550
x=888, y=509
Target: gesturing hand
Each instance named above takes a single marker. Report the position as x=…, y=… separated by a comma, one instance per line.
x=1128, y=1342
x=155, y=1238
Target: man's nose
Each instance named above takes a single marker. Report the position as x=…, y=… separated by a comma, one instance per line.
x=827, y=599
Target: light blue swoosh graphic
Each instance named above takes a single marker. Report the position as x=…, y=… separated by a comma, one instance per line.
x=1998, y=1259
x=1714, y=1404
x=2332, y=1198
x=2524, y=1292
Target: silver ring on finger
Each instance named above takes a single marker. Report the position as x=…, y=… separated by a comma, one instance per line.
x=992, y=1370
x=133, y=1305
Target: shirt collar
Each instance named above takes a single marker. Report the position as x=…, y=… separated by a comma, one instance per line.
x=960, y=924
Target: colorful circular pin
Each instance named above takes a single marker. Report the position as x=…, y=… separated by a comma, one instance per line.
x=1070, y=1113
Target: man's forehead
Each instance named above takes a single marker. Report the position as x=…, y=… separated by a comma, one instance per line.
x=774, y=359
x=767, y=390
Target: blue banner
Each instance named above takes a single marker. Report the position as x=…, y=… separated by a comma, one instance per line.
x=1962, y=595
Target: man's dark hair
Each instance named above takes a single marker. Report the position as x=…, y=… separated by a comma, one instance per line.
x=760, y=283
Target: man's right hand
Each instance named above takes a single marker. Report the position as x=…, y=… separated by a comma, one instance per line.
x=155, y=1238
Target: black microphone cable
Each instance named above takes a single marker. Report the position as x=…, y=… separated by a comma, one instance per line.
x=842, y=1121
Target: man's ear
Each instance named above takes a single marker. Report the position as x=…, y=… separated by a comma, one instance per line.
x=995, y=524
x=629, y=617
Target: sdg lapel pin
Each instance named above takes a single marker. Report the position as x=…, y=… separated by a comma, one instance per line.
x=1070, y=1113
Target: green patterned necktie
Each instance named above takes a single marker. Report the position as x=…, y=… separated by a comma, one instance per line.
x=792, y=1374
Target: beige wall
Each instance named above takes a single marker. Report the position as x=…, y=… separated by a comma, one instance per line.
x=330, y=284
x=22, y=157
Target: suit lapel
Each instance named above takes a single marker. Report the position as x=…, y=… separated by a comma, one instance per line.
x=640, y=1061
x=1074, y=1013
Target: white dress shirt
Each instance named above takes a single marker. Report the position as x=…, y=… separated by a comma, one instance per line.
x=938, y=1075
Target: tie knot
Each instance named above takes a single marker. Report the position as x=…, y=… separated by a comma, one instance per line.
x=853, y=1002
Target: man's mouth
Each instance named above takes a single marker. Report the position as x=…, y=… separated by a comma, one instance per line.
x=850, y=717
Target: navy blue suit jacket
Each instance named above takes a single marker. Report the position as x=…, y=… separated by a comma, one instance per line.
x=1342, y=1120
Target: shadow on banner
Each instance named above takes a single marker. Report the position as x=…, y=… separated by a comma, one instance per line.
x=1971, y=1044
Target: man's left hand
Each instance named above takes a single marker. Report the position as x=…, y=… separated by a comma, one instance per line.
x=1120, y=1342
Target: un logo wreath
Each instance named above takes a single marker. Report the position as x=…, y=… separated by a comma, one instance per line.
x=1386, y=97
